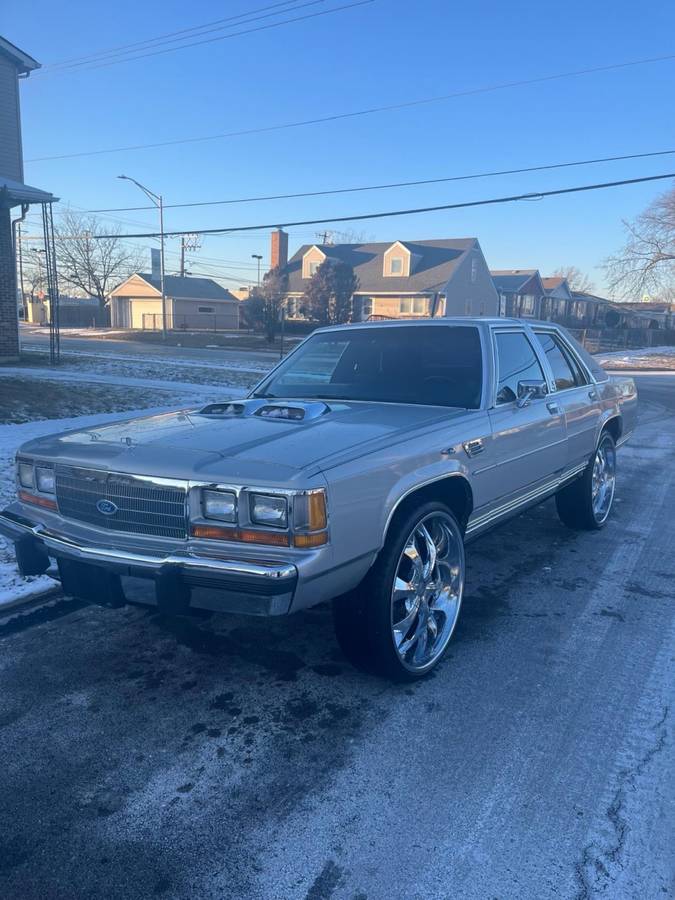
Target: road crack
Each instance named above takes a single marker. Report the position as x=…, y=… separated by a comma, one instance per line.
x=595, y=871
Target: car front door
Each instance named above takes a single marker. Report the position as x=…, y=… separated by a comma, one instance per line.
x=577, y=399
x=528, y=440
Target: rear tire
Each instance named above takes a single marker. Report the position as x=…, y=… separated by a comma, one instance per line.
x=400, y=619
x=586, y=503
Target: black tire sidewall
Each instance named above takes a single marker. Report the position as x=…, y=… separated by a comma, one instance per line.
x=376, y=590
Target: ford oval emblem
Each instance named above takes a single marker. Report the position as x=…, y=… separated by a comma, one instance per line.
x=107, y=507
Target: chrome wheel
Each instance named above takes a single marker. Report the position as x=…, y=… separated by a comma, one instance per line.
x=603, y=480
x=427, y=591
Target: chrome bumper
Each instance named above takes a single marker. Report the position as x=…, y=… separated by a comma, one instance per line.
x=246, y=586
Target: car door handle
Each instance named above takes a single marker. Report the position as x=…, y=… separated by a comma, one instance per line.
x=553, y=407
x=473, y=448
x=593, y=394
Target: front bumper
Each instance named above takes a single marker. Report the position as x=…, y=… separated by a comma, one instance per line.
x=235, y=585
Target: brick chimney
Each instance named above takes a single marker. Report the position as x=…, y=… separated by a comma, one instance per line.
x=279, y=249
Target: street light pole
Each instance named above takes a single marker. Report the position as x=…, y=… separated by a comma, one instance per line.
x=159, y=203
x=259, y=258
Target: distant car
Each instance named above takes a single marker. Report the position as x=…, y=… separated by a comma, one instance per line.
x=354, y=472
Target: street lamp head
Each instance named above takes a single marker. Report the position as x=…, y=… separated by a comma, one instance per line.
x=125, y=177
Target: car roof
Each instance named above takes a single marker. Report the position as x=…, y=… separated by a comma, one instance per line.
x=440, y=320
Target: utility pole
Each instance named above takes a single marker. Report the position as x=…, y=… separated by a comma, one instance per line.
x=259, y=258
x=159, y=203
x=189, y=243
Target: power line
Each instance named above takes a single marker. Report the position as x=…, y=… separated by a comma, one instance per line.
x=539, y=195
x=114, y=51
x=222, y=37
x=362, y=112
x=396, y=184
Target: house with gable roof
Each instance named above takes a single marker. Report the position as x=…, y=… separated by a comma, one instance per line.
x=397, y=279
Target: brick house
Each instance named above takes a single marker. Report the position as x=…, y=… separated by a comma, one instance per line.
x=398, y=279
x=14, y=64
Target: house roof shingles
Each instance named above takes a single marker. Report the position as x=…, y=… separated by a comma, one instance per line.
x=433, y=264
x=190, y=288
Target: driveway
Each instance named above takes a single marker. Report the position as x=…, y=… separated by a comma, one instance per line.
x=232, y=758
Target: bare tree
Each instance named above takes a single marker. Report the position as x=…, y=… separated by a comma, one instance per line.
x=34, y=280
x=576, y=279
x=91, y=263
x=646, y=263
x=349, y=236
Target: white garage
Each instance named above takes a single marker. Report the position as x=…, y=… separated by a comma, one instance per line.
x=192, y=304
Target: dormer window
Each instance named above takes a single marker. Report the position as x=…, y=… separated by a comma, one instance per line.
x=397, y=261
x=311, y=261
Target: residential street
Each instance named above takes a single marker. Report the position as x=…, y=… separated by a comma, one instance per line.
x=242, y=758
x=38, y=339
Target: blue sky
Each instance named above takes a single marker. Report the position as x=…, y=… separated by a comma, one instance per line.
x=387, y=51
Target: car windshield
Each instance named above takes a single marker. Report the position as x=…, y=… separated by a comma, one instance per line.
x=427, y=364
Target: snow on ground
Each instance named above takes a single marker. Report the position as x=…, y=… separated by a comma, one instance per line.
x=175, y=361
x=12, y=586
x=645, y=358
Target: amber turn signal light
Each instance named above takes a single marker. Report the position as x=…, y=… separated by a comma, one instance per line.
x=45, y=502
x=246, y=536
x=311, y=540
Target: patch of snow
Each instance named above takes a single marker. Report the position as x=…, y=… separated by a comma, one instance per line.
x=58, y=374
x=177, y=361
x=644, y=358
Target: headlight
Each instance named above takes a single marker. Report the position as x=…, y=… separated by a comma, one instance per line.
x=45, y=479
x=220, y=505
x=26, y=475
x=266, y=509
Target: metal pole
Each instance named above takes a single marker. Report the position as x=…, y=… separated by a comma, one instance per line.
x=20, y=249
x=161, y=266
x=283, y=319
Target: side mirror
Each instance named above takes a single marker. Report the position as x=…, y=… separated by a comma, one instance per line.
x=530, y=390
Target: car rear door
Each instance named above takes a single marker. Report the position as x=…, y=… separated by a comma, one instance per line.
x=528, y=441
x=577, y=398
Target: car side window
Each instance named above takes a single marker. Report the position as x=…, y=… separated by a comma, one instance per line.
x=516, y=361
x=566, y=374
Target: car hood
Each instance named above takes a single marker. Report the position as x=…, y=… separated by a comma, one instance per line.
x=252, y=439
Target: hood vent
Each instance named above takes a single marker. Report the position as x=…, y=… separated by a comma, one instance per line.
x=291, y=412
x=223, y=409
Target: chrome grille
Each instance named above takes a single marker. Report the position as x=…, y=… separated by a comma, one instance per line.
x=143, y=507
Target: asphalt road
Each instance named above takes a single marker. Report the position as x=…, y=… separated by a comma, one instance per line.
x=237, y=758
x=38, y=339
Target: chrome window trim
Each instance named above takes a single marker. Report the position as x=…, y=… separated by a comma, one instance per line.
x=570, y=350
x=510, y=329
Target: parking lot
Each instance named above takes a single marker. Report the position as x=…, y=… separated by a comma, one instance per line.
x=227, y=757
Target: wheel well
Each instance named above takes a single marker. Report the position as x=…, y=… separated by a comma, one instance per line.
x=454, y=491
x=614, y=426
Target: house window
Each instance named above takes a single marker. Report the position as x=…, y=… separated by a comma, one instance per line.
x=405, y=306
x=481, y=308
x=526, y=305
x=312, y=266
x=474, y=270
x=367, y=309
x=467, y=307
x=419, y=306
x=396, y=265
x=205, y=309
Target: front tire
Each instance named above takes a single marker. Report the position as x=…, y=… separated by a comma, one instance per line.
x=400, y=619
x=585, y=504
